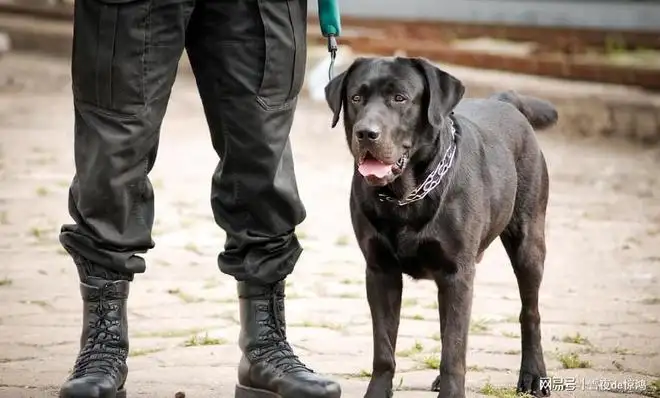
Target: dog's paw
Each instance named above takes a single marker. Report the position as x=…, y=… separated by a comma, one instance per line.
x=380, y=387
x=379, y=394
x=529, y=383
x=450, y=390
x=436, y=384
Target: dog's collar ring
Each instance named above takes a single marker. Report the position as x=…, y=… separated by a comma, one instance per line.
x=433, y=179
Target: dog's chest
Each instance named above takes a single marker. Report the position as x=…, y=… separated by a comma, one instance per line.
x=418, y=256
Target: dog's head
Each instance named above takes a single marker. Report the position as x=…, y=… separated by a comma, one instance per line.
x=393, y=108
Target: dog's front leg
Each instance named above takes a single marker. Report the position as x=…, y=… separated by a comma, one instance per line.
x=455, y=305
x=384, y=297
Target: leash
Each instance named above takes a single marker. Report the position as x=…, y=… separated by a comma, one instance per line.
x=332, y=49
x=330, y=22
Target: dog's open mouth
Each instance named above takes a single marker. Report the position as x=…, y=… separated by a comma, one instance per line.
x=370, y=166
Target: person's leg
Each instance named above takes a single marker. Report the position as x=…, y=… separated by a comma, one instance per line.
x=125, y=56
x=249, y=61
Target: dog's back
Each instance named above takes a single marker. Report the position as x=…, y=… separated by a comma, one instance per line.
x=506, y=122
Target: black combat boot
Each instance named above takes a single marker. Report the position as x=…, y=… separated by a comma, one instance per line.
x=268, y=367
x=100, y=370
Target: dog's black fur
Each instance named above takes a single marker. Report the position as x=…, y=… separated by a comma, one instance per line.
x=398, y=109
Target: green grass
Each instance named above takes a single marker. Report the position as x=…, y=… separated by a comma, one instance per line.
x=349, y=296
x=501, y=392
x=414, y=317
x=479, y=326
x=363, y=374
x=37, y=232
x=143, y=351
x=651, y=301
x=211, y=284
x=224, y=300
x=191, y=247
x=415, y=349
x=573, y=361
x=45, y=160
x=294, y=295
x=39, y=303
x=431, y=362
x=197, y=340
x=511, y=319
x=185, y=297
x=322, y=325
x=576, y=339
x=409, y=302
x=169, y=333
x=185, y=224
x=342, y=240
x=653, y=389
x=162, y=262
x=622, y=351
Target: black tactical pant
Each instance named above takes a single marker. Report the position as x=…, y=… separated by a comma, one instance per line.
x=248, y=57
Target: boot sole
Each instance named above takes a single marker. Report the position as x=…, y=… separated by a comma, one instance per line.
x=120, y=394
x=248, y=392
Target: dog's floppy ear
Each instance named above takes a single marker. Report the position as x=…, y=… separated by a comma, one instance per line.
x=445, y=91
x=335, y=91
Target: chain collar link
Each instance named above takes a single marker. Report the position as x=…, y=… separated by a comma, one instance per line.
x=433, y=179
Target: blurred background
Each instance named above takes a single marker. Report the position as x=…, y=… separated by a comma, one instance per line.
x=597, y=60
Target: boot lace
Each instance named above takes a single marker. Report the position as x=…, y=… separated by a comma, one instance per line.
x=101, y=353
x=275, y=349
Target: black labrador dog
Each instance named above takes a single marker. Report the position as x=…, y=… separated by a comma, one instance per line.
x=437, y=179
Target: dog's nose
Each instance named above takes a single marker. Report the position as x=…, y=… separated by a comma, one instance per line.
x=370, y=134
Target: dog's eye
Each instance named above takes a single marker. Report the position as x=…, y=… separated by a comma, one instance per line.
x=356, y=98
x=399, y=98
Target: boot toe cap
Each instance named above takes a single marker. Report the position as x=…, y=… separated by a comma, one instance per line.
x=331, y=389
x=312, y=386
x=88, y=388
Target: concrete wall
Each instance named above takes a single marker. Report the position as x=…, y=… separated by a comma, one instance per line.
x=620, y=14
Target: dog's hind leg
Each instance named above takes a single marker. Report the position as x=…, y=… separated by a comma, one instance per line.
x=384, y=291
x=526, y=250
x=524, y=241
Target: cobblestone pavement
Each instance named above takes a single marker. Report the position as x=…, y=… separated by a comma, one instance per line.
x=600, y=301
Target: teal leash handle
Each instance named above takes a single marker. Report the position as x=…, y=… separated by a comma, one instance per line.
x=330, y=22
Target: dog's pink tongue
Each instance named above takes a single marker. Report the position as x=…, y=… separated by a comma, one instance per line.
x=373, y=167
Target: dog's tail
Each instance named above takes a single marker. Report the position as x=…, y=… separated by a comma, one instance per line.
x=541, y=114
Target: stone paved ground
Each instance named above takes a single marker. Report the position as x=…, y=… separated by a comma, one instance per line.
x=600, y=299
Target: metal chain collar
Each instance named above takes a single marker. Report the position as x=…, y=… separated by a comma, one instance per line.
x=433, y=179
